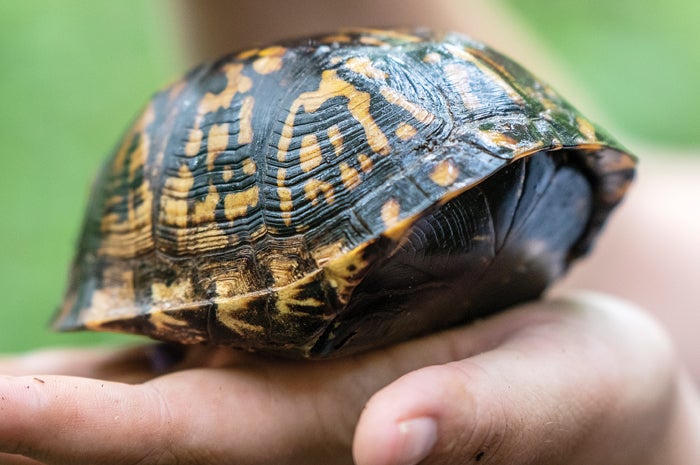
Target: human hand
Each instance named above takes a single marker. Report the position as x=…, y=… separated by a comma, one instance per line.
x=584, y=380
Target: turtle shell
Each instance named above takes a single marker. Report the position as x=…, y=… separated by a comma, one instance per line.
x=337, y=193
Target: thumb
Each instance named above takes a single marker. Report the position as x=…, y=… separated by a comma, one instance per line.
x=581, y=380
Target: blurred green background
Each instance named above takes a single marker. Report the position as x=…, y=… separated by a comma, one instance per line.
x=73, y=73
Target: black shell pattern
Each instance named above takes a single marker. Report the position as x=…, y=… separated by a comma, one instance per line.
x=245, y=196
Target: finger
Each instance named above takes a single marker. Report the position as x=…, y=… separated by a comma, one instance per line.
x=298, y=412
x=58, y=419
x=222, y=414
x=582, y=375
x=242, y=416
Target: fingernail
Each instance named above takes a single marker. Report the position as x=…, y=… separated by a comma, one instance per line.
x=417, y=438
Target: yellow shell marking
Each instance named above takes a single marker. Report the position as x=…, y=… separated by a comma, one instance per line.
x=142, y=150
x=205, y=210
x=586, y=128
x=365, y=67
x=370, y=40
x=217, y=141
x=288, y=296
x=432, y=57
x=250, y=53
x=336, y=138
x=310, y=155
x=236, y=204
x=283, y=269
x=366, y=163
x=194, y=142
x=232, y=285
x=499, y=139
x=114, y=301
x=245, y=133
x=178, y=292
x=236, y=83
x=390, y=212
x=314, y=187
x=325, y=253
x=173, y=204
x=270, y=60
x=249, y=166
x=226, y=314
x=394, y=97
x=132, y=235
x=480, y=62
x=102, y=309
x=457, y=74
x=445, y=173
x=285, y=196
x=358, y=105
x=349, y=176
x=333, y=86
x=231, y=311
x=343, y=271
x=335, y=38
x=227, y=173
x=405, y=131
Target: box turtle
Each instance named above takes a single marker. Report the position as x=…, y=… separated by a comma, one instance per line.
x=332, y=194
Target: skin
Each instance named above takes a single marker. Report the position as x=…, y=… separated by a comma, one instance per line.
x=582, y=380
x=571, y=380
